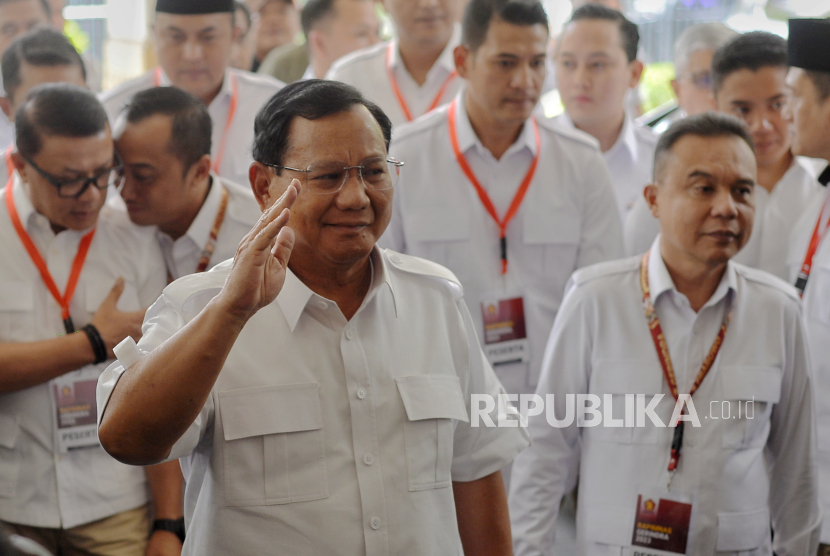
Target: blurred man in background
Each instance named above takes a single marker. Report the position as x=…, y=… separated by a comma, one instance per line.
x=333, y=28
x=279, y=23
x=194, y=42
x=242, y=53
x=596, y=66
x=414, y=73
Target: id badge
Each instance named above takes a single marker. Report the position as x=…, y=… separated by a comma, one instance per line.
x=505, y=332
x=75, y=412
x=662, y=524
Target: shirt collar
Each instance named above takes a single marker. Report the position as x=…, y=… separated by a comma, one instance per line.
x=627, y=139
x=295, y=295
x=445, y=61
x=226, y=91
x=201, y=226
x=467, y=137
x=659, y=279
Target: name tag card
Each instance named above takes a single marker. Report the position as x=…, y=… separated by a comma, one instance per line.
x=75, y=412
x=505, y=333
x=661, y=525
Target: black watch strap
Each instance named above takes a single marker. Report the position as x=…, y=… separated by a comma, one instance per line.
x=175, y=526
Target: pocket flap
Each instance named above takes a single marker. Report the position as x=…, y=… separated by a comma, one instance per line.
x=553, y=226
x=17, y=296
x=627, y=377
x=432, y=396
x=270, y=410
x=747, y=383
x=743, y=530
x=438, y=224
x=614, y=526
x=96, y=293
x=8, y=431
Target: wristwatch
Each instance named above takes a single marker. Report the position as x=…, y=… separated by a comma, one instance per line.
x=175, y=526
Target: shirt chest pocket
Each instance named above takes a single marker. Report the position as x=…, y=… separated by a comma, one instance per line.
x=748, y=396
x=274, y=447
x=441, y=235
x=431, y=403
x=98, y=291
x=17, y=311
x=554, y=236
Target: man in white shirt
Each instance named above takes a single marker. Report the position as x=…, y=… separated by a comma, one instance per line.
x=596, y=65
x=335, y=28
x=42, y=56
x=321, y=400
x=194, y=41
x=164, y=145
x=809, y=256
x=740, y=460
x=68, y=264
x=552, y=203
x=279, y=23
x=415, y=72
x=749, y=81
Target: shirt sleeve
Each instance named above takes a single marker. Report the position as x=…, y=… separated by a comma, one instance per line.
x=791, y=449
x=162, y=320
x=543, y=474
x=601, y=235
x=480, y=446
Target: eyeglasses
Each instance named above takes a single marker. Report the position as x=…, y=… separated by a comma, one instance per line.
x=701, y=79
x=323, y=178
x=76, y=187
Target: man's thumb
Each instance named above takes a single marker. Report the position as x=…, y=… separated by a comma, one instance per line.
x=115, y=292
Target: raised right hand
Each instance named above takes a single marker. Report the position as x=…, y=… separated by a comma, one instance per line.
x=261, y=261
x=114, y=325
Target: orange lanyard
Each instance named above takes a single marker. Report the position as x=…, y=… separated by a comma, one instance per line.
x=217, y=162
x=207, y=252
x=815, y=240
x=77, y=265
x=665, y=360
x=389, y=54
x=482, y=194
x=9, y=164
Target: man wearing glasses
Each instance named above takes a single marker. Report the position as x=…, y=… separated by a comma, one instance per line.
x=74, y=282
x=318, y=387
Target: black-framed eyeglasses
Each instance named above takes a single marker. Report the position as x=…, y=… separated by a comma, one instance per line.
x=73, y=188
x=323, y=178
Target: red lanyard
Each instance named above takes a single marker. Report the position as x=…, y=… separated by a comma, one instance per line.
x=665, y=360
x=217, y=161
x=389, y=53
x=815, y=240
x=77, y=265
x=482, y=194
x=207, y=252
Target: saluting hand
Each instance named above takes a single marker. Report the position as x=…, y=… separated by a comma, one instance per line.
x=261, y=261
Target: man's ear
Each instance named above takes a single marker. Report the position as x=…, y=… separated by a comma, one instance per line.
x=676, y=88
x=463, y=58
x=650, y=194
x=316, y=44
x=6, y=105
x=260, y=177
x=636, y=68
x=201, y=169
x=19, y=165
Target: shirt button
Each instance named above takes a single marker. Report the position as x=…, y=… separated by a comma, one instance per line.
x=375, y=523
x=368, y=459
x=395, y=259
x=322, y=305
x=361, y=393
x=350, y=334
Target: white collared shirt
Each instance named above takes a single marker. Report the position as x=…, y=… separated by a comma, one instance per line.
x=816, y=302
x=744, y=473
x=366, y=70
x=355, y=429
x=39, y=485
x=254, y=90
x=182, y=255
x=567, y=220
x=629, y=160
x=776, y=214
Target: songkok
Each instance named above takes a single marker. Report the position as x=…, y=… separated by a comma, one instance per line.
x=809, y=44
x=193, y=7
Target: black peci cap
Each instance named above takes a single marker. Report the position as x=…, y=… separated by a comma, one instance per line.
x=194, y=7
x=808, y=46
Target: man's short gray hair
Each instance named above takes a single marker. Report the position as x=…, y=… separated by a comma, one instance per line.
x=704, y=36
